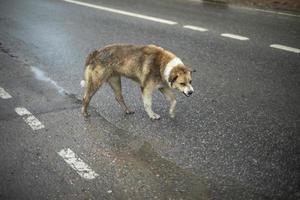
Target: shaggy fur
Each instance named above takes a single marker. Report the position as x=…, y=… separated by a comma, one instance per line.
x=143, y=64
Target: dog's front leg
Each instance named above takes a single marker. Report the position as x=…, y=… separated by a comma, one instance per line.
x=171, y=98
x=147, y=99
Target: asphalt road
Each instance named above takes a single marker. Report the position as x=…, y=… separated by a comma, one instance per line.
x=237, y=137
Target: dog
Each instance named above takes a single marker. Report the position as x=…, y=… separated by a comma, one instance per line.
x=151, y=66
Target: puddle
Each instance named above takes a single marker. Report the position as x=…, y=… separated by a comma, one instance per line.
x=138, y=170
x=177, y=183
x=40, y=75
x=141, y=171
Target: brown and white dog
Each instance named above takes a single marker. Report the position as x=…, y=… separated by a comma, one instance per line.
x=151, y=66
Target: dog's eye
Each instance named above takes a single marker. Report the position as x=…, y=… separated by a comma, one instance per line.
x=183, y=84
x=190, y=82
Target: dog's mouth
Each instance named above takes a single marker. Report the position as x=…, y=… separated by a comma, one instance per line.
x=187, y=95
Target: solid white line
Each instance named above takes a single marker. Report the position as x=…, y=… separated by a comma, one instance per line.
x=238, y=37
x=31, y=120
x=265, y=11
x=196, y=28
x=77, y=164
x=4, y=94
x=286, y=48
x=122, y=12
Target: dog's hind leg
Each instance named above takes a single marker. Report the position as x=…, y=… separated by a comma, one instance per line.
x=94, y=78
x=115, y=84
x=88, y=93
x=171, y=98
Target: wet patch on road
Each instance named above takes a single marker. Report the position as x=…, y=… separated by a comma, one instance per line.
x=138, y=169
x=40, y=75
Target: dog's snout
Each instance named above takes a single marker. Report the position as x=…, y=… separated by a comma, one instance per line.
x=188, y=91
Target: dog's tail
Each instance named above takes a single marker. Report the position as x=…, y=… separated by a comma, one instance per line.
x=82, y=83
x=90, y=60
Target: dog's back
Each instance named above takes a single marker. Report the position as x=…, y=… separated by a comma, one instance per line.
x=131, y=61
x=112, y=55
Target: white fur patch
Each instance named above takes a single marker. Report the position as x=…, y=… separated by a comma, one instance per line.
x=171, y=64
x=82, y=83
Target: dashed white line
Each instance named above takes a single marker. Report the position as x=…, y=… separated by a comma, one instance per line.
x=77, y=164
x=286, y=48
x=31, y=120
x=196, y=28
x=4, y=94
x=233, y=36
x=122, y=12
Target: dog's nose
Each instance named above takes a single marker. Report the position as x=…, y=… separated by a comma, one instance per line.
x=190, y=92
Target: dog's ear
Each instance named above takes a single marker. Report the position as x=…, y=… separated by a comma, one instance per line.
x=172, y=78
x=192, y=70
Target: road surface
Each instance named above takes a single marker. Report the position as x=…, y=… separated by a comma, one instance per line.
x=237, y=137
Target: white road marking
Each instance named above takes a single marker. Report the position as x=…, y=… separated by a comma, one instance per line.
x=22, y=111
x=286, y=48
x=31, y=120
x=196, y=28
x=122, y=12
x=4, y=94
x=77, y=164
x=238, y=37
x=265, y=11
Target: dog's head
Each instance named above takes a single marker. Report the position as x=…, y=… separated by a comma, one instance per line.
x=181, y=78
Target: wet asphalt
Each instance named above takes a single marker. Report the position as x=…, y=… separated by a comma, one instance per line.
x=236, y=137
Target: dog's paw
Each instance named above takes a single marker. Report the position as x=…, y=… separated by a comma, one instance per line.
x=84, y=113
x=154, y=116
x=172, y=115
x=129, y=112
